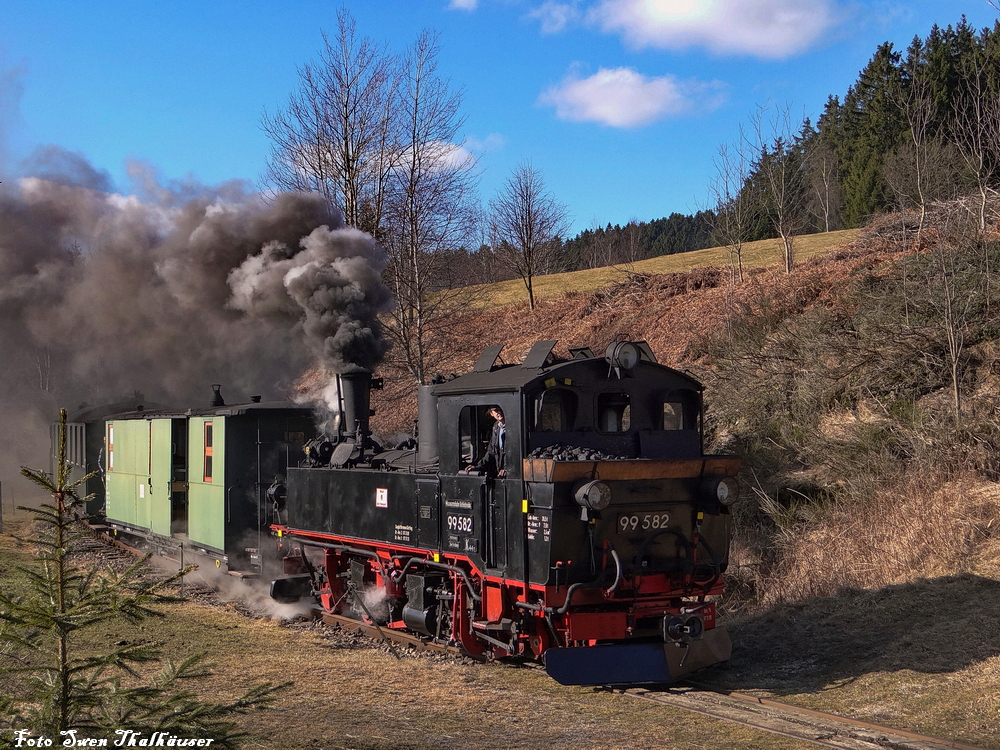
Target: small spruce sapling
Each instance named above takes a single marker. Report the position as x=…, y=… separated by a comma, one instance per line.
x=53, y=683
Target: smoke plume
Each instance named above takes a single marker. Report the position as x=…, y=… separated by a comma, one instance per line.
x=334, y=281
x=102, y=294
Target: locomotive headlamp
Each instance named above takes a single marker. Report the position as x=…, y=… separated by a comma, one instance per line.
x=724, y=490
x=594, y=495
x=623, y=354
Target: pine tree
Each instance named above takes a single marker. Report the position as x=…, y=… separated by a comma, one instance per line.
x=873, y=127
x=54, y=685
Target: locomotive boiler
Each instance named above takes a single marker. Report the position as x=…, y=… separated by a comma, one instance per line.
x=553, y=509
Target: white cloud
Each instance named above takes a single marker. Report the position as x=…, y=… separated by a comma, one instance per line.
x=764, y=28
x=442, y=155
x=555, y=16
x=452, y=156
x=623, y=98
x=463, y=4
x=492, y=142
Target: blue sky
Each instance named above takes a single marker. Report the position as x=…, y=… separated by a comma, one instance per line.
x=621, y=104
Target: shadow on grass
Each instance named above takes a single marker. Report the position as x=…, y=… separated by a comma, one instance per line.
x=938, y=625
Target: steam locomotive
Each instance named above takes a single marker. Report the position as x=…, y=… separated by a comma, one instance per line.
x=585, y=527
x=554, y=509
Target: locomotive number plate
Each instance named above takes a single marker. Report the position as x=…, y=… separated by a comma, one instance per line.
x=459, y=524
x=642, y=521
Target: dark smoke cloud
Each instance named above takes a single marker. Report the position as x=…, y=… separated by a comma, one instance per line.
x=334, y=281
x=103, y=294
x=55, y=164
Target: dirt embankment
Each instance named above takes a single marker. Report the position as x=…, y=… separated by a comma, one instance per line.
x=674, y=313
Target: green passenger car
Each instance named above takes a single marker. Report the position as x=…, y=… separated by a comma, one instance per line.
x=199, y=478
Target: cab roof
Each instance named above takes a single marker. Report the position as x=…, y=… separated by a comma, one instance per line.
x=489, y=377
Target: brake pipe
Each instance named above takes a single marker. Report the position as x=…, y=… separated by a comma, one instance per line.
x=618, y=573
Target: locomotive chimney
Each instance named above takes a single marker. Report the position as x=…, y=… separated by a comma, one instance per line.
x=427, y=425
x=355, y=395
x=217, y=399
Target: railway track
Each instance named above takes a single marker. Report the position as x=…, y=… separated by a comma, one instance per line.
x=816, y=727
x=99, y=540
x=392, y=637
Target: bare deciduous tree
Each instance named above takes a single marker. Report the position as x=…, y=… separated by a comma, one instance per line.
x=822, y=174
x=337, y=136
x=779, y=174
x=375, y=134
x=600, y=251
x=955, y=283
x=526, y=224
x=431, y=205
x=921, y=174
x=909, y=170
x=629, y=248
x=736, y=203
x=975, y=130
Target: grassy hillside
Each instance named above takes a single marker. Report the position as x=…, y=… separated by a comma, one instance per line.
x=870, y=510
x=755, y=255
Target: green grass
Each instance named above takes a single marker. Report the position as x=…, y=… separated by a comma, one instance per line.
x=761, y=253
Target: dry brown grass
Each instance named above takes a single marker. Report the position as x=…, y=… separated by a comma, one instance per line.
x=882, y=607
x=922, y=655
x=352, y=693
x=914, y=530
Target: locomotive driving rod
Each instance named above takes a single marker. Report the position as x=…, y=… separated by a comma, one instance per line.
x=341, y=547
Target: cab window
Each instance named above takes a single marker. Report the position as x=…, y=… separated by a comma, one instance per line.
x=475, y=426
x=614, y=412
x=676, y=410
x=555, y=410
x=673, y=415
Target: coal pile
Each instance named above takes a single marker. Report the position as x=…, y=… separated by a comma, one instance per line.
x=561, y=452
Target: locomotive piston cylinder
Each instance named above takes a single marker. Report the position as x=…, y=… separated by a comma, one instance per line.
x=422, y=620
x=420, y=612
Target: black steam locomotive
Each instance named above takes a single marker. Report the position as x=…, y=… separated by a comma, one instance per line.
x=560, y=509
